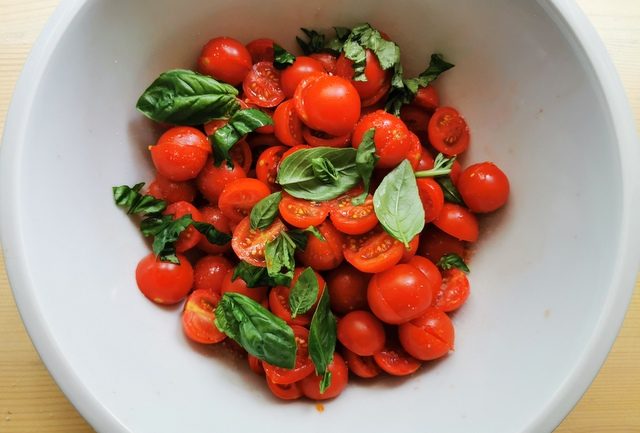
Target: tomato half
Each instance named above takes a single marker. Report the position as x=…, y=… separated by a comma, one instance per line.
x=353, y=219
x=279, y=304
x=215, y=217
x=395, y=361
x=170, y=191
x=323, y=255
x=301, y=68
x=457, y=222
x=212, y=179
x=429, y=336
x=209, y=272
x=240, y=153
x=190, y=236
x=287, y=126
x=361, y=332
x=180, y=153
x=347, y=289
x=320, y=139
x=373, y=252
x=453, y=292
x=262, y=85
x=483, y=187
x=339, y=378
x=304, y=366
x=392, y=138
x=225, y=59
x=164, y=282
x=435, y=243
x=240, y=196
x=249, y=244
x=431, y=196
x=361, y=366
x=267, y=166
x=302, y=213
x=199, y=315
x=448, y=131
x=427, y=98
x=238, y=285
x=261, y=50
x=292, y=391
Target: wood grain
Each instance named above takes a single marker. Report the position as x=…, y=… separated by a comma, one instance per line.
x=31, y=402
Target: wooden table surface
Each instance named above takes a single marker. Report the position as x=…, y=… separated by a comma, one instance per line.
x=31, y=402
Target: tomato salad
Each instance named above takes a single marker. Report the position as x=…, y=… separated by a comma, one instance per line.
x=311, y=209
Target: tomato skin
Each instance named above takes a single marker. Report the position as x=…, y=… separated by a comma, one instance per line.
x=303, y=367
x=261, y=50
x=301, y=68
x=429, y=336
x=293, y=150
x=323, y=255
x=353, y=219
x=430, y=271
x=361, y=366
x=255, y=365
x=431, y=196
x=448, y=131
x=249, y=244
x=373, y=252
x=409, y=253
x=347, y=289
x=238, y=285
x=240, y=153
x=483, y=187
x=209, y=272
x=164, y=282
x=395, y=361
x=416, y=118
x=287, y=125
x=190, y=237
x=180, y=153
x=456, y=171
x=261, y=85
x=427, y=98
x=435, y=243
x=212, y=180
x=279, y=304
x=320, y=139
x=199, y=315
x=292, y=391
x=361, y=332
x=457, y=222
x=454, y=291
x=339, y=378
x=392, y=138
x=302, y=213
x=399, y=294
x=328, y=61
x=215, y=217
x=377, y=78
x=267, y=166
x=170, y=191
x=415, y=151
x=225, y=59
x=239, y=196
x=426, y=160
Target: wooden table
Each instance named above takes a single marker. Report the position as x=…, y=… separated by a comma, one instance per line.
x=31, y=402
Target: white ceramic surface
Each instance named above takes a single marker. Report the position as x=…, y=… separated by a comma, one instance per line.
x=551, y=279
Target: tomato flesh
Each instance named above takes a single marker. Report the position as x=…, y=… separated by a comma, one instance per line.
x=262, y=85
x=375, y=251
x=249, y=244
x=199, y=315
x=303, y=367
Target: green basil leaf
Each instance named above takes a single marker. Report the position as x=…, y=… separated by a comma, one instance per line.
x=300, y=237
x=165, y=231
x=214, y=236
x=256, y=329
x=452, y=260
x=239, y=125
x=437, y=65
x=358, y=55
x=303, y=293
x=397, y=204
x=253, y=276
x=183, y=97
x=297, y=177
x=365, y=37
x=265, y=211
x=449, y=190
x=281, y=57
x=336, y=44
x=342, y=33
x=366, y=160
x=324, y=170
x=315, y=43
x=322, y=339
x=441, y=167
x=279, y=255
x=136, y=203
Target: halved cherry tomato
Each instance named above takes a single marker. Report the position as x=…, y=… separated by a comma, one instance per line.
x=164, y=282
x=238, y=285
x=287, y=126
x=190, y=236
x=457, y=222
x=302, y=213
x=429, y=336
x=410, y=252
x=453, y=292
x=170, y=191
x=339, y=378
x=212, y=179
x=209, y=272
x=376, y=77
x=304, y=366
x=347, y=289
x=431, y=197
x=225, y=59
x=392, y=138
x=427, y=98
x=323, y=255
x=215, y=217
x=429, y=270
x=279, y=300
x=249, y=244
x=483, y=187
x=328, y=61
x=240, y=153
x=395, y=361
x=301, y=68
x=267, y=166
x=240, y=196
x=255, y=365
x=372, y=252
x=435, y=243
x=199, y=315
x=353, y=219
x=361, y=366
x=180, y=153
x=292, y=391
x=361, y=332
x=261, y=50
x=262, y=85
x=448, y=131
x=320, y=139
x=416, y=118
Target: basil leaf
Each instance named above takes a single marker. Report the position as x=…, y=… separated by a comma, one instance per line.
x=441, y=166
x=300, y=237
x=303, y=293
x=183, y=97
x=136, y=203
x=452, y=260
x=366, y=160
x=365, y=37
x=324, y=170
x=165, y=231
x=297, y=177
x=265, y=211
x=315, y=43
x=239, y=125
x=256, y=329
x=358, y=55
x=279, y=255
x=397, y=204
x=322, y=340
x=449, y=190
x=253, y=276
x=214, y=236
x=281, y=57
x=336, y=44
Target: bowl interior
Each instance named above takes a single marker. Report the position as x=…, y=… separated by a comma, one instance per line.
x=539, y=277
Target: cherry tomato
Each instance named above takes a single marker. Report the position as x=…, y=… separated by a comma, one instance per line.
x=304, y=366
x=240, y=153
x=457, y=222
x=292, y=391
x=339, y=377
x=261, y=50
x=240, y=196
x=415, y=118
x=287, y=126
x=453, y=292
x=347, y=289
x=415, y=151
x=212, y=179
x=353, y=219
x=429, y=270
x=180, y=153
x=225, y=59
x=429, y=336
x=249, y=244
x=410, y=252
x=302, y=213
x=431, y=197
x=301, y=68
x=255, y=365
x=375, y=251
x=448, y=131
x=209, y=272
x=293, y=150
x=262, y=85
x=483, y=187
x=199, y=315
x=426, y=160
x=361, y=366
x=361, y=332
x=164, y=282
x=170, y=191
x=427, y=98
x=392, y=138
x=213, y=215
x=190, y=236
x=435, y=243
x=376, y=77
x=238, y=285
x=212, y=126
x=316, y=101
x=279, y=300
x=267, y=166
x=323, y=255
x=395, y=361
x=328, y=61
x=456, y=171
x=399, y=294
x=320, y=139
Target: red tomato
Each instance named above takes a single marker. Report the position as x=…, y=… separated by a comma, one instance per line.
x=267, y=166
x=261, y=50
x=302, y=213
x=456, y=171
x=279, y=300
x=376, y=77
x=399, y=294
x=248, y=244
x=434, y=244
x=212, y=126
x=238, y=285
x=415, y=152
x=170, y=191
x=339, y=378
x=304, y=366
x=199, y=315
x=240, y=153
x=429, y=270
x=415, y=118
x=453, y=292
x=429, y=336
x=395, y=361
x=483, y=187
x=361, y=332
x=291, y=391
x=190, y=237
x=353, y=219
x=361, y=366
x=410, y=252
x=392, y=138
x=255, y=365
x=328, y=61
x=427, y=98
x=164, y=282
x=426, y=160
x=209, y=272
x=214, y=216
x=375, y=251
x=448, y=131
x=328, y=103
x=320, y=139
x=431, y=197
x=225, y=59
x=262, y=85
x=212, y=180
x=293, y=150
x=301, y=68
x=180, y=153
x=240, y=196
x=323, y=255
x=287, y=126
x=457, y=222
x=347, y=289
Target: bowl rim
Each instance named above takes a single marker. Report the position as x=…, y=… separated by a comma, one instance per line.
x=569, y=18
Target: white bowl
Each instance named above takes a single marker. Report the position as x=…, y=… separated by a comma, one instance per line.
x=551, y=278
